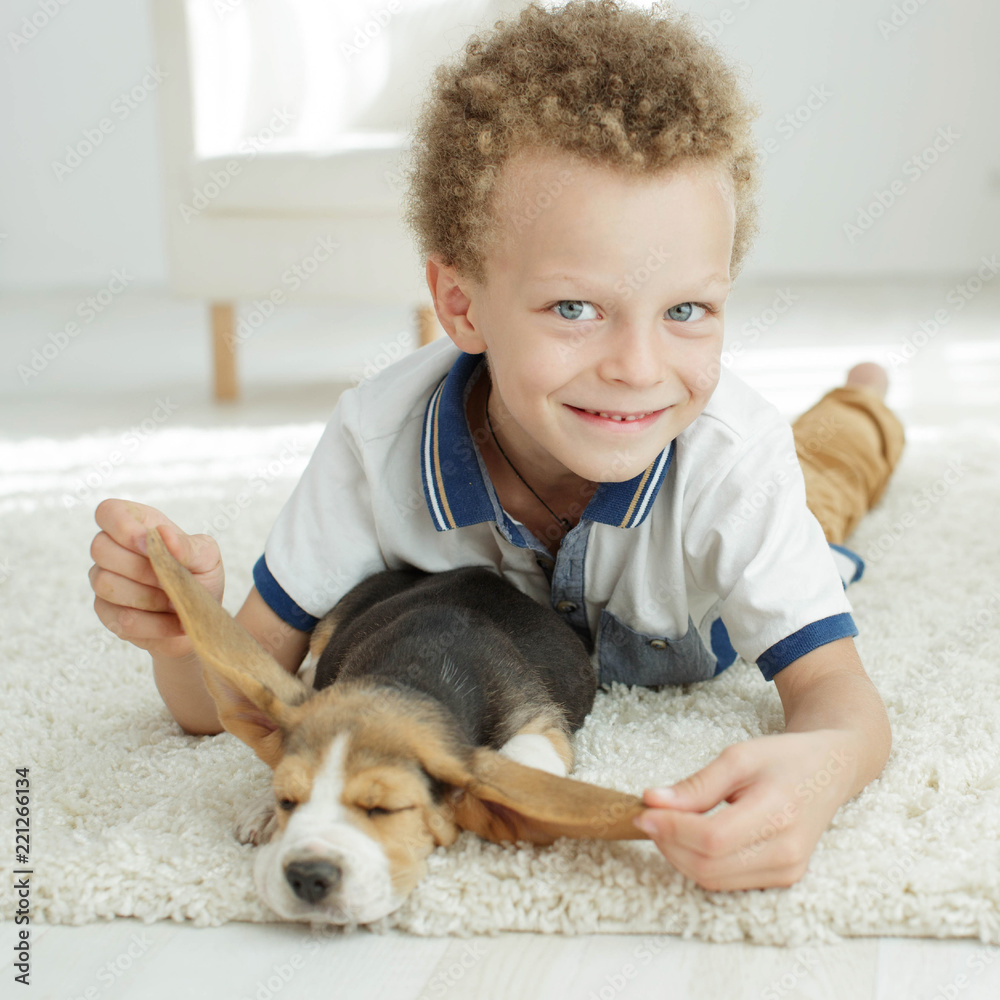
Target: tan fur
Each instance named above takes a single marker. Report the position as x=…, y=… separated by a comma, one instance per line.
x=322, y=633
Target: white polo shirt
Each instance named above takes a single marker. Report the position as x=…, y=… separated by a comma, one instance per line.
x=709, y=552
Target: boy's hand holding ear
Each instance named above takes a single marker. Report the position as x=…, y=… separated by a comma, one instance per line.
x=129, y=600
x=784, y=789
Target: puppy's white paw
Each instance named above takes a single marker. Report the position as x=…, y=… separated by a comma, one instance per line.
x=307, y=670
x=534, y=750
x=257, y=823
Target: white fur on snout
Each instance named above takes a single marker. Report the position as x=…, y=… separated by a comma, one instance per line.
x=534, y=750
x=320, y=829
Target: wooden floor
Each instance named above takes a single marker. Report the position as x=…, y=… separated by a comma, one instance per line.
x=165, y=961
x=112, y=375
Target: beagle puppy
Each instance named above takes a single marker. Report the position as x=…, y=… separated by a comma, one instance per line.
x=439, y=703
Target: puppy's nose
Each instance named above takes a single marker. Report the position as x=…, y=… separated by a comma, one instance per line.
x=312, y=880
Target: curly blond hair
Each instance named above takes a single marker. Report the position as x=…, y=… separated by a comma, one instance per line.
x=633, y=90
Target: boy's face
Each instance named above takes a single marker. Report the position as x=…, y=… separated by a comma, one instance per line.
x=605, y=294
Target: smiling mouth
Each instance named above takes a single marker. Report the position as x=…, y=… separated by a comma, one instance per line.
x=616, y=415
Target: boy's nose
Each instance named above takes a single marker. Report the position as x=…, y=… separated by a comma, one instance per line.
x=635, y=357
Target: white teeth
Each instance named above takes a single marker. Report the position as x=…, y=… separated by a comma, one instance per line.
x=607, y=416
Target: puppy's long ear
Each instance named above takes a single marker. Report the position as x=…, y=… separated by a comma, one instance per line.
x=253, y=693
x=501, y=800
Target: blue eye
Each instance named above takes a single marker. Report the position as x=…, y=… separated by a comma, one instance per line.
x=683, y=313
x=688, y=306
x=573, y=302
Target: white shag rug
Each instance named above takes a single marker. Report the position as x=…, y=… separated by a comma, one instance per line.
x=131, y=817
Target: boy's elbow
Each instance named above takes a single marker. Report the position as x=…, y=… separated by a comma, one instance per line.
x=199, y=725
x=196, y=729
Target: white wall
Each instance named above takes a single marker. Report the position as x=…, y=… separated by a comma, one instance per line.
x=889, y=97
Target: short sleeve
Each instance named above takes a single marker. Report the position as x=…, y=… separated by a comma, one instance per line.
x=750, y=539
x=324, y=540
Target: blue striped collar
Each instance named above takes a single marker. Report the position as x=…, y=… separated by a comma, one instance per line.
x=454, y=489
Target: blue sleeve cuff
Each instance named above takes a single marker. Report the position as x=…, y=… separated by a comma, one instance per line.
x=805, y=641
x=278, y=601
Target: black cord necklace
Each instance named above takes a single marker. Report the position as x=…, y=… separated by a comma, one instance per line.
x=565, y=524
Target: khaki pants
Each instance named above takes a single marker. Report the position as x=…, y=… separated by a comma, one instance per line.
x=847, y=444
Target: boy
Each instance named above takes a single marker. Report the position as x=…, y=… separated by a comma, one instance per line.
x=582, y=196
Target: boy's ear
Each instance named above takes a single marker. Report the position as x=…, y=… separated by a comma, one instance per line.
x=450, y=292
x=255, y=696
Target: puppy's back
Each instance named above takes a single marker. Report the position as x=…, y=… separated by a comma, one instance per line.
x=504, y=633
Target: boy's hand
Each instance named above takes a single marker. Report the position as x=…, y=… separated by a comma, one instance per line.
x=129, y=599
x=785, y=789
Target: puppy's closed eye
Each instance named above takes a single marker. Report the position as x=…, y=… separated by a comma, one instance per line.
x=376, y=811
x=287, y=804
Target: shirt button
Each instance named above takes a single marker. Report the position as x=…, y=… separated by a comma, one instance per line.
x=657, y=643
x=566, y=606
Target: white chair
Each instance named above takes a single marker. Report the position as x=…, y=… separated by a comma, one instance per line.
x=283, y=127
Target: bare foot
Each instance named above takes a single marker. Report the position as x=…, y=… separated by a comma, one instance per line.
x=869, y=375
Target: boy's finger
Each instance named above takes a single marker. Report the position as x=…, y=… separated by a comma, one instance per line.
x=701, y=790
x=126, y=521
x=110, y=555
x=744, y=870
x=124, y=592
x=729, y=829
x=137, y=626
x=197, y=553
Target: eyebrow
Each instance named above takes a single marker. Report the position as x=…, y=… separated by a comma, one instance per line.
x=709, y=281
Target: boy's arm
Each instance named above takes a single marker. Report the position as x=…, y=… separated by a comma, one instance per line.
x=180, y=682
x=828, y=688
